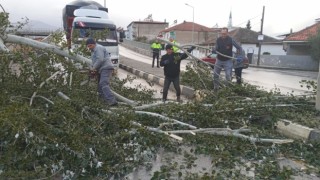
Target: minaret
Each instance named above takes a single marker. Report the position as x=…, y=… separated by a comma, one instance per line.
x=230, y=21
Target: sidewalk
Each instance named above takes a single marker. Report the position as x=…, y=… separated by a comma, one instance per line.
x=156, y=75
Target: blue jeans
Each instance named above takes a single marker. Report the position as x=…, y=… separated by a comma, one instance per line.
x=104, y=88
x=227, y=66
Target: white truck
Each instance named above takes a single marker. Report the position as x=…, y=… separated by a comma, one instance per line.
x=84, y=19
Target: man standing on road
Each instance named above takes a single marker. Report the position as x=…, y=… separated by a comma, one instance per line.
x=102, y=65
x=223, y=48
x=171, y=63
x=156, y=48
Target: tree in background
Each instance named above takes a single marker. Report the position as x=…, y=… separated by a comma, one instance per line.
x=248, y=26
x=314, y=42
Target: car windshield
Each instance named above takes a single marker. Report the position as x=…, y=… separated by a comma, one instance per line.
x=213, y=55
x=104, y=35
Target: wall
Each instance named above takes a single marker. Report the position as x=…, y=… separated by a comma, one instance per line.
x=185, y=37
x=287, y=61
x=273, y=49
x=294, y=49
x=147, y=29
x=138, y=47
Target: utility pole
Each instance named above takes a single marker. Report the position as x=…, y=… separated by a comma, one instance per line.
x=261, y=35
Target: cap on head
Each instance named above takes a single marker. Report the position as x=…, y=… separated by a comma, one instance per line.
x=90, y=41
x=168, y=46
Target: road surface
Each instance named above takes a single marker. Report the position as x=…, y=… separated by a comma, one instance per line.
x=288, y=81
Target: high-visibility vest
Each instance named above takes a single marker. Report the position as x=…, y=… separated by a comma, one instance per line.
x=175, y=49
x=156, y=47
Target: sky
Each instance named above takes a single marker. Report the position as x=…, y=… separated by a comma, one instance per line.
x=280, y=16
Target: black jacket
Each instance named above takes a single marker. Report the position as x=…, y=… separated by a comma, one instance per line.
x=171, y=63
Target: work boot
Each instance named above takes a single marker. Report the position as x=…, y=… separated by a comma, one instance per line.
x=178, y=99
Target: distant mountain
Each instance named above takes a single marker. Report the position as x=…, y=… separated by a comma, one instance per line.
x=34, y=24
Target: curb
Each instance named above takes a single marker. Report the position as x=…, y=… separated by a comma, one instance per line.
x=297, y=131
x=185, y=90
x=281, y=68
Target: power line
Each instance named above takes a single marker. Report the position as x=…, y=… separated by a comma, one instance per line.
x=248, y=20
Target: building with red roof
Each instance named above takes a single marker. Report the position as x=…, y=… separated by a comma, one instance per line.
x=297, y=43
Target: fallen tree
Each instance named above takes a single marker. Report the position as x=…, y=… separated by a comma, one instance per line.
x=52, y=125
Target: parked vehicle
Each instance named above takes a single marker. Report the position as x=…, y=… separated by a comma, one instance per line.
x=211, y=59
x=84, y=19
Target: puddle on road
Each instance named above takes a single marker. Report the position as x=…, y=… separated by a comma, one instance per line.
x=176, y=162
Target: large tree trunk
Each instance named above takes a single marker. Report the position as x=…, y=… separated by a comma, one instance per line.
x=40, y=45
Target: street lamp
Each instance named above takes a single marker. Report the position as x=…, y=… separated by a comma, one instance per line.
x=192, y=20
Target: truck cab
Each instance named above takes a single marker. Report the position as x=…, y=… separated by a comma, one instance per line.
x=88, y=19
x=93, y=24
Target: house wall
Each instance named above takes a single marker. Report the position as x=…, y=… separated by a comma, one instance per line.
x=273, y=49
x=185, y=37
x=149, y=30
x=293, y=49
x=299, y=62
x=130, y=32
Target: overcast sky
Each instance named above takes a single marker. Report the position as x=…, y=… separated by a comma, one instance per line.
x=280, y=15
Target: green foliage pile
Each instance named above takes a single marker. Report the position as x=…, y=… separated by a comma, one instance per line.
x=45, y=136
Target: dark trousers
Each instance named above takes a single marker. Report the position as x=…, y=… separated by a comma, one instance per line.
x=155, y=56
x=104, y=88
x=176, y=84
x=238, y=72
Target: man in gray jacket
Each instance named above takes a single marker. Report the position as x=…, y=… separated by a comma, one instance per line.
x=101, y=63
x=223, y=48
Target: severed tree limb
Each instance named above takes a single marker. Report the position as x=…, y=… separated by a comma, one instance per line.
x=47, y=47
x=156, y=130
x=70, y=81
x=42, y=84
x=146, y=106
x=230, y=132
x=48, y=100
x=63, y=96
x=124, y=99
x=3, y=47
x=166, y=118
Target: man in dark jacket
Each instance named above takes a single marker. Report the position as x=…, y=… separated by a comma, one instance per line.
x=171, y=63
x=223, y=48
x=101, y=64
